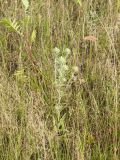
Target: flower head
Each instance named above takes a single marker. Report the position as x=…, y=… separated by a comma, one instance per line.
x=56, y=50
x=76, y=69
x=67, y=51
x=62, y=60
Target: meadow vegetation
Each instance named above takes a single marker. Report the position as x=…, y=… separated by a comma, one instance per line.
x=59, y=79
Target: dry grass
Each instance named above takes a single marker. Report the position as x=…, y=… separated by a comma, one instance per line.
x=87, y=127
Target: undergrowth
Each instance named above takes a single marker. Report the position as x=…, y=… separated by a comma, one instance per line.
x=59, y=80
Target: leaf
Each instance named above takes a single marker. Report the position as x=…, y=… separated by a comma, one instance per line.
x=26, y=21
x=79, y=2
x=33, y=36
x=11, y=25
x=26, y=4
x=62, y=120
x=20, y=75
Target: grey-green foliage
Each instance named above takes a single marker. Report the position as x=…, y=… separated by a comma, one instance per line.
x=61, y=69
x=62, y=75
x=26, y=4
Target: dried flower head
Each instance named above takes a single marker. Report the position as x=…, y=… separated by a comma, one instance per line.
x=90, y=38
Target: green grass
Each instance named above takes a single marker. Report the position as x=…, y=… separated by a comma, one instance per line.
x=43, y=117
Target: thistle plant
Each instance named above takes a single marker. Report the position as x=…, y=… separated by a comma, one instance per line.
x=61, y=70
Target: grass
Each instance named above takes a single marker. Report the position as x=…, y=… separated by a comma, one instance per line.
x=54, y=107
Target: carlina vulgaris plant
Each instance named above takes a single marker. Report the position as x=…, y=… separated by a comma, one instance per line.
x=60, y=72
